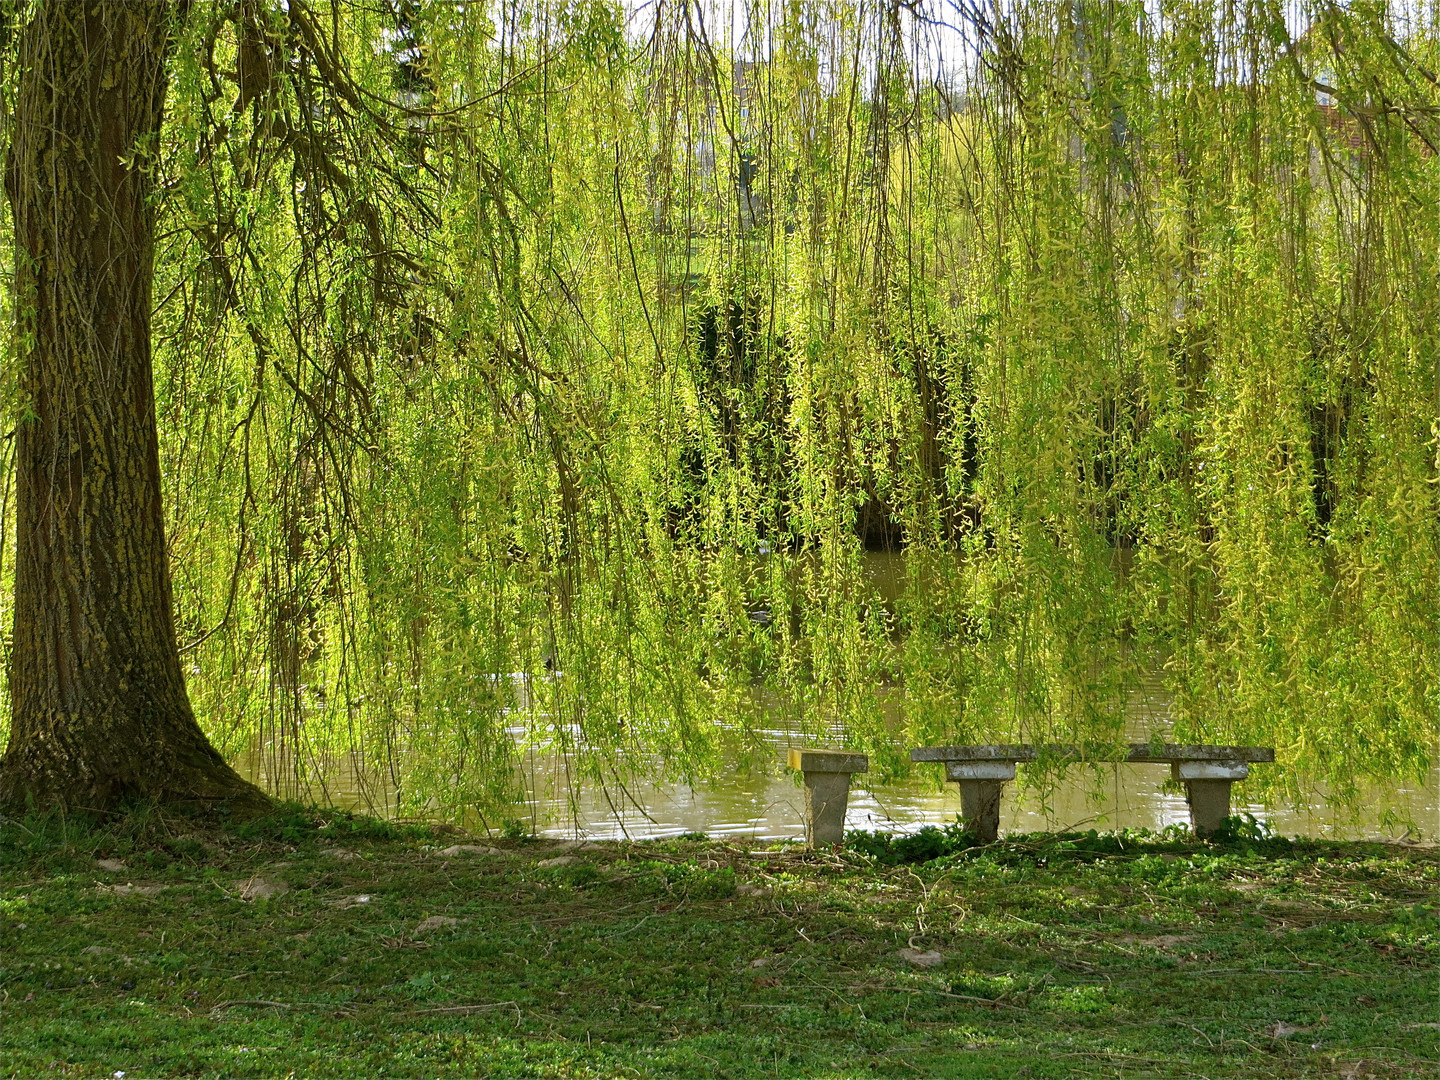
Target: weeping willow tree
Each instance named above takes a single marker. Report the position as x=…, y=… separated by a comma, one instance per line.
x=550, y=375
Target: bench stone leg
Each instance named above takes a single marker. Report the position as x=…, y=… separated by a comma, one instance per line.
x=826, y=795
x=1207, y=790
x=980, y=807
x=1209, y=804
x=981, y=783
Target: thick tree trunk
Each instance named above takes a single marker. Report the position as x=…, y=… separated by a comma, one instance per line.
x=100, y=712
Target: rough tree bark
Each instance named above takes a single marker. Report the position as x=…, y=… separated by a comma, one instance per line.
x=100, y=711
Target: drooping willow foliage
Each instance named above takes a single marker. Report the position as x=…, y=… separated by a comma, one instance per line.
x=548, y=374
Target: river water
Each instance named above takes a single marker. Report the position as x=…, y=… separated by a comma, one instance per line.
x=768, y=804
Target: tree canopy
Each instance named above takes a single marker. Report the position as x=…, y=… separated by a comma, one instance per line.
x=545, y=372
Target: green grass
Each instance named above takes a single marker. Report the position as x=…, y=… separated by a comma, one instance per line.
x=1061, y=956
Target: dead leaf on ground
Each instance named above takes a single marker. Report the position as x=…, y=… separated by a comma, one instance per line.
x=260, y=889
x=466, y=849
x=921, y=958
x=404, y=942
x=129, y=889
x=1167, y=941
x=1163, y=941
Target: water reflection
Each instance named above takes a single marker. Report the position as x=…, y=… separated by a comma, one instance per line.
x=1111, y=796
x=769, y=806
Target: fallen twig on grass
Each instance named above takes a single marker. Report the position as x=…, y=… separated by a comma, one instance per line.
x=629, y=929
x=257, y=1003
x=993, y=1003
x=465, y=1010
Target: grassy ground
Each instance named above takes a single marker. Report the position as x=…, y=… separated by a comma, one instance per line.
x=362, y=951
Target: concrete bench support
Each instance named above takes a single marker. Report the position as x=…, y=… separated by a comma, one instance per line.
x=827, y=790
x=1207, y=790
x=1206, y=771
x=981, y=784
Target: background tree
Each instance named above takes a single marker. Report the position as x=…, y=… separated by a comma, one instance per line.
x=100, y=710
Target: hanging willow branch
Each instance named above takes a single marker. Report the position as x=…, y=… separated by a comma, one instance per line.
x=897, y=373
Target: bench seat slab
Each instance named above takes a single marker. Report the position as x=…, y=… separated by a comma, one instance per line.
x=834, y=761
x=1162, y=753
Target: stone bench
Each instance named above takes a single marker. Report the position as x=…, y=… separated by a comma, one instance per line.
x=827, y=790
x=1206, y=771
